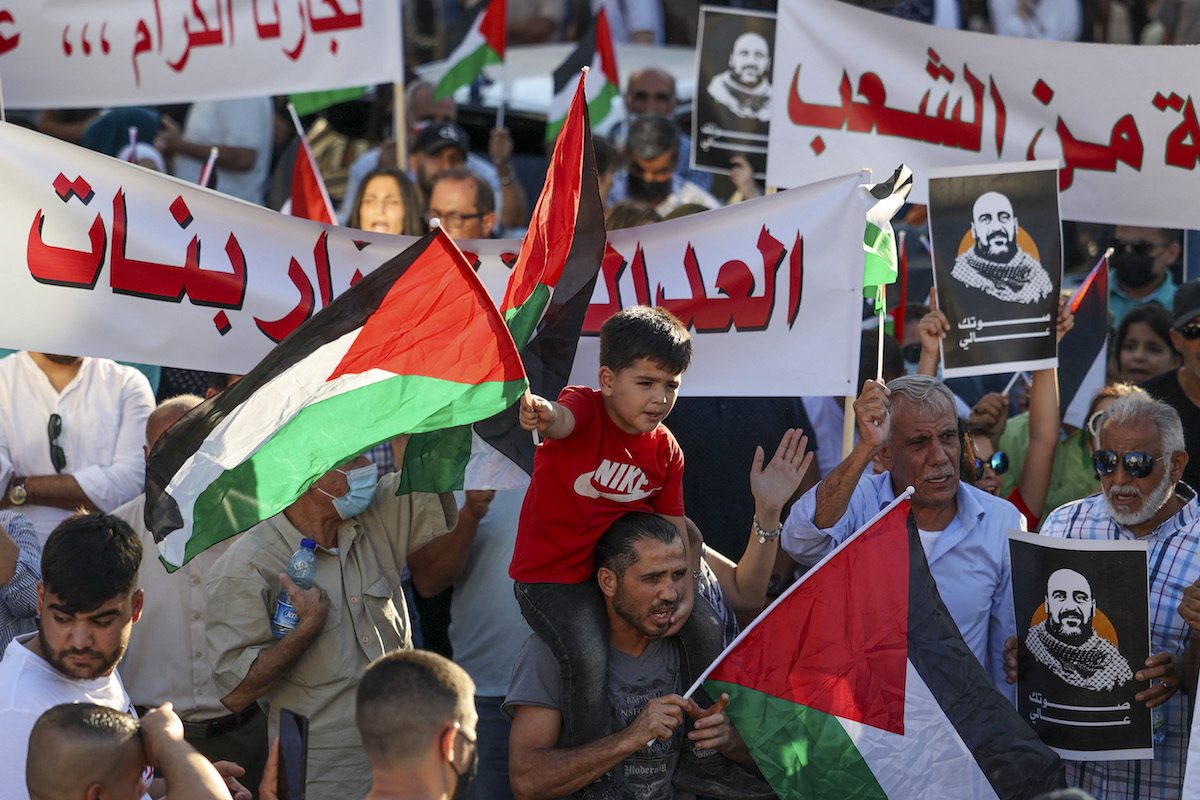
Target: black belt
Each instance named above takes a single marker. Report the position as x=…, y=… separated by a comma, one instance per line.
x=217, y=726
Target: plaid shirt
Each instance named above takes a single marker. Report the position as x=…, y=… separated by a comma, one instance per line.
x=18, y=597
x=1174, y=563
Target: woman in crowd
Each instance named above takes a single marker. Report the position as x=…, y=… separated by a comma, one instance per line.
x=1143, y=346
x=387, y=202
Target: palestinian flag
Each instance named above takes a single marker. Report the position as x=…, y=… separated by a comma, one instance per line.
x=415, y=346
x=1083, y=352
x=879, y=240
x=311, y=102
x=544, y=305
x=856, y=684
x=310, y=198
x=483, y=45
x=595, y=51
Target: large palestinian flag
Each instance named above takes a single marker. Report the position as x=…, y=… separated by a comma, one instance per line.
x=595, y=51
x=484, y=44
x=544, y=305
x=857, y=684
x=417, y=345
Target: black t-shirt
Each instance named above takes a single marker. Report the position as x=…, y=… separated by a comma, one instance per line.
x=1166, y=388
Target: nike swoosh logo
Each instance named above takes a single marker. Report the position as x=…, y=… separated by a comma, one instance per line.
x=585, y=488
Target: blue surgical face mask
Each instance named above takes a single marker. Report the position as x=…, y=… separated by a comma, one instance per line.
x=362, y=482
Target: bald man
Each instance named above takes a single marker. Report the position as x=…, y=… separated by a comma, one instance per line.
x=996, y=265
x=167, y=659
x=745, y=88
x=82, y=751
x=416, y=714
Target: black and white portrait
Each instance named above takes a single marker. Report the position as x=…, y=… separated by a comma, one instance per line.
x=1083, y=627
x=734, y=59
x=1067, y=642
x=997, y=257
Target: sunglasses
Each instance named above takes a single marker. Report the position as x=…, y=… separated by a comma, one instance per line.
x=57, y=457
x=998, y=462
x=1137, y=463
x=912, y=352
x=1191, y=331
x=1139, y=246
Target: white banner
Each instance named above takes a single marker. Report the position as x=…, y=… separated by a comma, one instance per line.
x=100, y=257
x=855, y=87
x=67, y=53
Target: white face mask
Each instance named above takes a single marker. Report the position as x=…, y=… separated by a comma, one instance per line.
x=362, y=481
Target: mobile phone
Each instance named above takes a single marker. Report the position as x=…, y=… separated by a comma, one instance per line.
x=293, y=754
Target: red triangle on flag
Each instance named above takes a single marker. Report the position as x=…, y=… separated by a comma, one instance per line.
x=839, y=642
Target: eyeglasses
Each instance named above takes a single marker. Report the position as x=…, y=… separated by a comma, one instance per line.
x=912, y=352
x=1140, y=247
x=57, y=457
x=998, y=462
x=450, y=219
x=1137, y=463
x=1190, y=331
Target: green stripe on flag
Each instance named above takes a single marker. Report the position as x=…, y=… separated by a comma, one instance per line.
x=599, y=107
x=311, y=102
x=286, y=464
x=523, y=320
x=802, y=752
x=437, y=461
x=466, y=71
x=880, y=267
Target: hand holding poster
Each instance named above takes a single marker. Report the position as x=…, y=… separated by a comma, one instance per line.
x=1083, y=630
x=997, y=258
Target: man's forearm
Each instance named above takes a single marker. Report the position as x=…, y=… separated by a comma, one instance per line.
x=270, y=665
x=437, y=565
x=557, y=772
x=58, y=491
x=191, y=776
x=834, y=493
x=10, y=554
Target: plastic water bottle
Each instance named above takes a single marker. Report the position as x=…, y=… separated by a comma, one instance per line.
x=1158, y=725
x=301, y=568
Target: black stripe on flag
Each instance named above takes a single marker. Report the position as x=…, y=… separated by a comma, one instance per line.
x=550, y=353
x=567, y=73
x=347, y=312
x=1085, y=342
x=1011, y=757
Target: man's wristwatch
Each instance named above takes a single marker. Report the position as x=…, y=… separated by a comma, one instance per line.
x=17, y=495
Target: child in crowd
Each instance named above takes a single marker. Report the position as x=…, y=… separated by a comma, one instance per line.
x=606, y=453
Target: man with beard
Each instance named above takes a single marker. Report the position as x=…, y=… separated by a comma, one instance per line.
x=652, y=177
x=71, y=435
x=1066, y=643
x=88, y=600
x=642, y=574
x=995, y=265
x=911, y=425
x=1140, y=461
x=1140, y=268
x=744, y=88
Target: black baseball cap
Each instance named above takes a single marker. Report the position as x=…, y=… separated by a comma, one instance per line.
x=1187, y=303
x=439, y=135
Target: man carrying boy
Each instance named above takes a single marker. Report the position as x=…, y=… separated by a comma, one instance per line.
x=607, y=453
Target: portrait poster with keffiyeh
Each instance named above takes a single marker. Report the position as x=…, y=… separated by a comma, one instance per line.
x=1083, y=631
x=997, y=265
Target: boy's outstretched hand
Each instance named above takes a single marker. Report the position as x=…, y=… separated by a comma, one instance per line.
x=537, y=413
x=774, y=484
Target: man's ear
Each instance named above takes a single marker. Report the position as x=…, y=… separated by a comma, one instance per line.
x=489, y=222
x=95, y=791
x=607, y=580
x=445, y=743
x=885, y=457
x=607, y=378
x=1179, y=460
x=139, y=598
x=41, y=589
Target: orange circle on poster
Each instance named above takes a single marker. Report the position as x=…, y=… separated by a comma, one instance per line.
x=1101, y=624
x=1024, y=242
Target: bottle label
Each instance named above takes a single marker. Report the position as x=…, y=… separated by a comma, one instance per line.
x=285, y=614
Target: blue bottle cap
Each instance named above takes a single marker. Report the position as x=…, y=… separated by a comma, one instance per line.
x=309, y=544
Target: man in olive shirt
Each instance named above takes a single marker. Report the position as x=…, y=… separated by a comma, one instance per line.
x=354, y=612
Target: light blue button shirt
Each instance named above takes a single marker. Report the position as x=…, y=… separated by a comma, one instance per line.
x=969, y=561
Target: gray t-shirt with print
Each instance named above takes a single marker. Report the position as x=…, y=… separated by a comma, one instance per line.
x=632, y=682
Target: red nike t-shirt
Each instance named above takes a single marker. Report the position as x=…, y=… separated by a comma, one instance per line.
x=582, y=483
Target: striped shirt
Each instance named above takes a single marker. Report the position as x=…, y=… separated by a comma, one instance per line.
x=1174, y=564
x=18, y=597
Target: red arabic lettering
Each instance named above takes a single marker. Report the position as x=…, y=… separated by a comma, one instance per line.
x=279, y=329
x=611, y=268
x=1183, y=143
x=8, y=43
x=267, y=30
x=339, y=21
x=796, y=279
x=62, y=266
x=295, y=52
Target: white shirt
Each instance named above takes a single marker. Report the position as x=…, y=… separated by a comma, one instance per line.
x=167, y=657
x=29, y=686
x=248, y=123
x=104, y=410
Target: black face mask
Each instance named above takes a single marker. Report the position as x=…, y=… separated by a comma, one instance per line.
x=649, y=191
x=467, y=775
x=1134, y=270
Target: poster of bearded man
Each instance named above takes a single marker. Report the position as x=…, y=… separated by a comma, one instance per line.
x=1083, y=629
x=997, y=265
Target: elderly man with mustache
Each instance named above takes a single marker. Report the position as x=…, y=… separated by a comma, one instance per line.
x=911, y=427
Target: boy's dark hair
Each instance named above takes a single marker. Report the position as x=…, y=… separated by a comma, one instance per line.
x=615, y=550
x=89, y=559
x=645, y=332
